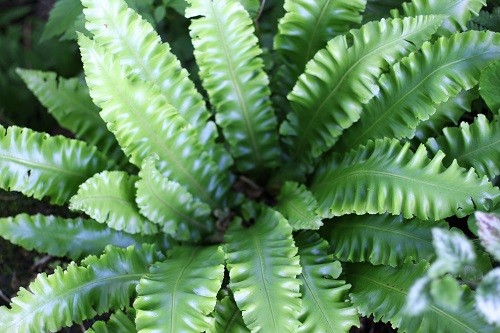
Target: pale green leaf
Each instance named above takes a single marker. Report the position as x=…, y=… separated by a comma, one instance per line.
x=381, y=291
x=57, y=236
x=475, y=145
x=381, y=239
x=299, y=206
x=170, y=205
x=145, y=124
x=227, y=317
x=488, y=297
x=488, y=86
x=419, y=298
x=324, y=305
x=232, y=73
x=414, y=86
x=79, y=292
x=263, y=267
x=453, y=251
x=178, y=294
x=446, y=292
x=489, y=232
x=329, y=96
x=39, y=165
x=386, y=177
x=109, y=197
x=119, y=322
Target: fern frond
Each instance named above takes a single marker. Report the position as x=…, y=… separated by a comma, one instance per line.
x=329, y=96
x=382, y=291
x=62, y=19
x=109, y=197
x=306, y=28
x=145, y=124
x=263, y=268
x=57, y=236
x=170, y=205
x=68, y=101
x=384, y=176
x=178, y=294
x=232, y=73
x=79, y=292
x=227, y=317
x=476, y=145
x=324, y=306
x=446, y=114
x=381, y=239
x=299, y=206
x=119, y=322
x=412, y=89
x=488, y=86
x=487, y=20
x=40, y=165
x=459, y=12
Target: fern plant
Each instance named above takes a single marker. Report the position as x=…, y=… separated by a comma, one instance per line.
x=232, y=213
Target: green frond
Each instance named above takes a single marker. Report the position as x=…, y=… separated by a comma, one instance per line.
x=232, y=73
x=68, y=101
x=145, y=124
x=62, y=19
x=459, y=12
x=376, y=9
x=329, y=96
x=381, y=291
x=381, y=239
x=79, y=292
x=170, y=205
x=227, y=317
x=488, y=86
x=306, y=28
x=385, y=176
x=39, y=165
x=263, y=267
x=119, y=322
x=475, y=145
x=57, y=236
x=178, y=294
x=109, y=197
x=412, y=89
x=447, y=113
x=487, y=20
x=299, y=206
x=324, y=306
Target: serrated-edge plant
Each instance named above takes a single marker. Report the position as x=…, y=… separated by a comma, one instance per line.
x=295, y=199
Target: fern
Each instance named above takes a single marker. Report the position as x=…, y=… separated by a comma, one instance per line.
x=227, y=317
x=489, y=80
x=299, y=206
x=119, y=322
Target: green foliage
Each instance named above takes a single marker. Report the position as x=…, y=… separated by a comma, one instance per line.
x=232, y=177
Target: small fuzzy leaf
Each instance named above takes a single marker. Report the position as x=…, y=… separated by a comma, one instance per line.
x=488, y=297
x=40, y=165
x=324, y=306
x=227, y=318
x=299, y=206
x=263, y=267
x=109, y=197
x=488, y=86
x=418, y=299
x=446, y=292
x=178, y=294
x=489, y=232
x=453, y=249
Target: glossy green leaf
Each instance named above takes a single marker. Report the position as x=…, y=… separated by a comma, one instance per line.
x=109, y=197
x=263, y=267
x=459, y=12
x=489, y=232
x=62, y=18
x=79, y=292
x=414, y=87
x=306, y=28
x=381, y=239
x=488, y=86
x=178, y=293
x=170, y=205
x=329, y=96
x=233, y=76
x=145, y=124
x=68, y=101
x=324, y=305
x=386, y=177
x=39, y=165
x=57, y=236
x=381, y=291
x=475, y=145
x=119, y=322
x=227, y=317
x=299, y=206
x=488, y=297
